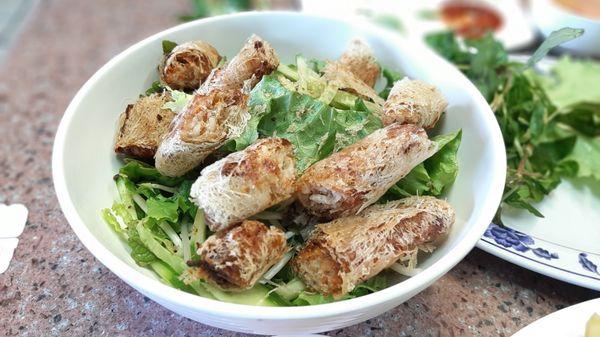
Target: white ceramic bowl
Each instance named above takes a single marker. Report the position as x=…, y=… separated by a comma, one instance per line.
x=83, y=161
x=548, y=17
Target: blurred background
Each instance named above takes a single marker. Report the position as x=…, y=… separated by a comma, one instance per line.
x=49, y=48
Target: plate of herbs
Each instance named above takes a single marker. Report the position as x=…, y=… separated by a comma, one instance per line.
x=549, y=112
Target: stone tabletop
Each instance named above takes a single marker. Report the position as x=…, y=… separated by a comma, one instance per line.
x=55, y=287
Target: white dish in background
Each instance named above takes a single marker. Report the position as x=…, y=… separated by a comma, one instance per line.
x=568, y=322
x=83, y=161
x=548, y=17
x=516, y=31
x=565, y=244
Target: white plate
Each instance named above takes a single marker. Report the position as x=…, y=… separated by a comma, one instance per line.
x=565, y=244
x=568, y=322
x=515, y=32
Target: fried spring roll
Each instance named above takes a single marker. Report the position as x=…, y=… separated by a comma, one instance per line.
x=245, y=182
x=359, y=60
x=355, y=177
x=188, y=65
x=236, y=259
x=413, y=102
x=217, y=112
x=348, y=251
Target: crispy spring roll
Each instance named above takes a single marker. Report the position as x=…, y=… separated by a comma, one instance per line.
x=142, y=125
x=348, y=251
x=413, y=102
x=188, y=65
x=245, y=182
x=217, y=112
x=359, y=60
x=236, y=259
x=355, y=177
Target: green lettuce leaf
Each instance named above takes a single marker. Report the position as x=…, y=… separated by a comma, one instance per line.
x=163, y=209
x=137, y=171
x=374, y=284
x=586, y=153
x=313, y=127
x=435, y=174
x=139, y=252
x=570, y=81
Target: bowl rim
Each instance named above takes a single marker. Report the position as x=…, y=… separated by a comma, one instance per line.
x=155, y=288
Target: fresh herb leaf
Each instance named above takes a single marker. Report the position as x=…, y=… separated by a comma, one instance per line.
x=155, y=88
x=137, y=171
x=537, y=147
x=168, y=46
x=555, y=39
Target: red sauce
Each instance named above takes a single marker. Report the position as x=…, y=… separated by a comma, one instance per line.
x=470, y=20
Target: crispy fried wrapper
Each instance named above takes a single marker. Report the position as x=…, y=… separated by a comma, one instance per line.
x=235, y=260
x=345, y=252
x=414, y=102
x=245, y=182
x=355, y=177
x=359, y=60
x=188, y=65
x=217, y=112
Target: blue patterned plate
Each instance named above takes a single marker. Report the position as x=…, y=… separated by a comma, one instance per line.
x=565, y=244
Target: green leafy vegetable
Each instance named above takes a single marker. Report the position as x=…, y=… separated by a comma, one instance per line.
x=374, y=284
x=313, y=127
x=540, y=140
x=168, y=46
x=137, y=171
x=435, y=174
x=586, y=154
x=206, y=8
x=179, y=100
x=162, y=209
x=390, y=77
x=570, y=82
x=155, y=88
x=555, y=39
x=583, y=117
x=139, y=252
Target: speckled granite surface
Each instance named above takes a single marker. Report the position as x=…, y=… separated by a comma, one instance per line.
x=55, y=287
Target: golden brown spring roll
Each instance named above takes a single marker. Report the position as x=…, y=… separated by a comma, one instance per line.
x=345, y=252
x=142, y=126
x=236, y=259
x=217, y=111
x=188, y=65
x=413, y=102
x=245, y=182
x=355, y=177
x=359, y=60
